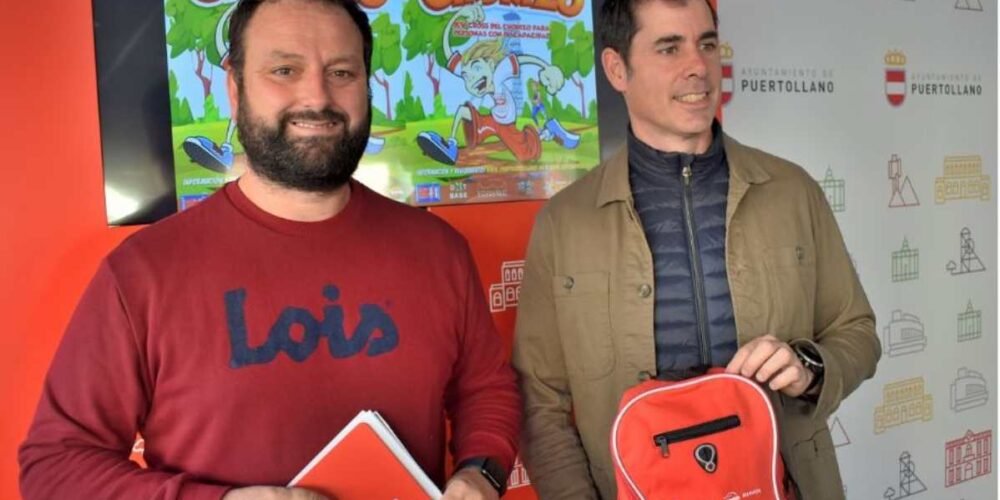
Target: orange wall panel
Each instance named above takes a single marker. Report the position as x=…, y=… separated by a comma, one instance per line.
x=498, y=236
x=52, y=222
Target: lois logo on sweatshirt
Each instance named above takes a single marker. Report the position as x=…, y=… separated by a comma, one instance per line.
x=375, y=334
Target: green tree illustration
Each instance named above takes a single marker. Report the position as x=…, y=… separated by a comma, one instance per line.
x=573, y=53
x=424, y=33
x=386, y=54
x=423, y=38
x=193, y=29
x=409, y=109
x=212, y=112
x=180, y=109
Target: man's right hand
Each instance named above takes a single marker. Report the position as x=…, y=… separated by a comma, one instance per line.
x=272, y=493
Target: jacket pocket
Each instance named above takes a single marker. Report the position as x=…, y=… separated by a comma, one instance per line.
x=583, y=314
x=791, y=271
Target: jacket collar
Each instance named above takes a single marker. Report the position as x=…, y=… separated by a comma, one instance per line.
x=652, y=163
x=614, y=184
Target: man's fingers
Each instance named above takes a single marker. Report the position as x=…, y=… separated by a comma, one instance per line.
x=786, y=378
x=304, y=494
x=736, y=364
x=761, y=352
x=780, y=359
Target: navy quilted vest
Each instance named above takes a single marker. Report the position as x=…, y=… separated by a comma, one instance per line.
x=684, y=218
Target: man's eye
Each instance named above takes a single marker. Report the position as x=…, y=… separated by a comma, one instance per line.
x=283, y=71
x=341, y=73
x=668, y=50
x=709, y=46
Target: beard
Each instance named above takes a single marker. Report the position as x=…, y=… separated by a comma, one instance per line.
x=317, y=164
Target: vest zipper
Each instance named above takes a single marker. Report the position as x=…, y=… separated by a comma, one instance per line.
x=698, y=281
x=665, y=439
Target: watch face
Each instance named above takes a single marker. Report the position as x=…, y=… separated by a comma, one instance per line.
x=490, y=470
x=495, y=473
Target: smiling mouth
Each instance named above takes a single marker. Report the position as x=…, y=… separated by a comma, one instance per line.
x=692, y=98
x=315, y=125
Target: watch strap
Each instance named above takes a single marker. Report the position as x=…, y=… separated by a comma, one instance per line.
x=812, y=361
x=490, y=469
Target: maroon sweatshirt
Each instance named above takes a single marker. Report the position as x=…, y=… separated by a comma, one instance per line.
x=239, y=343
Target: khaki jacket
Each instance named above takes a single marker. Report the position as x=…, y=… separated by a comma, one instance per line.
x=585, y=316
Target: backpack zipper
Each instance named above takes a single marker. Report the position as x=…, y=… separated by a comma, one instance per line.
x=665, y=439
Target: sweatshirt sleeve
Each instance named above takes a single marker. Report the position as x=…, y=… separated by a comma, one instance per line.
x=95, y=398
x=482, y=398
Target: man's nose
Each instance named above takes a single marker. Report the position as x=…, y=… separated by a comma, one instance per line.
x=696, y=64
x=314, y=91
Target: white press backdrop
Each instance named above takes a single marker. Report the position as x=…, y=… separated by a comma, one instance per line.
x=809, y=83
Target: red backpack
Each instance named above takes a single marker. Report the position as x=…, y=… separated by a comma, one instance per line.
x=710, y=437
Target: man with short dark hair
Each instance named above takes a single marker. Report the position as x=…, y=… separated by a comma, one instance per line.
x=686, y=250
x=239, y=336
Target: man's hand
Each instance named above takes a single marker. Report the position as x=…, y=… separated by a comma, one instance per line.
x=552, y=78
x=767, y=359
x=469, y=484
x=272, y=493
x=473, y=13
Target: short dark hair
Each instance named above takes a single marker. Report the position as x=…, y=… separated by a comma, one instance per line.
x=246, y=9
x=618, y=24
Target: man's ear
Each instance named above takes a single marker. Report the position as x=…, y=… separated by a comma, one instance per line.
x=615, y=68
x=233, y=91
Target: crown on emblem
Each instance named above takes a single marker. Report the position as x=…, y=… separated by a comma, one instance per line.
x=895, y=58
x=725, y=51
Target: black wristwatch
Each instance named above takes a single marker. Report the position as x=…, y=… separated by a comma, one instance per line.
x=810, y=358
x=490, y=469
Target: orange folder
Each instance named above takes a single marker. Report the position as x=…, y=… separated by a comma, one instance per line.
x=366, y=461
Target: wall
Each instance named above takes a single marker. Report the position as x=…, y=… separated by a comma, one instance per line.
x=810, y=84
x=52, y=221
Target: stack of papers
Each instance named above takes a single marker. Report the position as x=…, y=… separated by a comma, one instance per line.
x=366, y=461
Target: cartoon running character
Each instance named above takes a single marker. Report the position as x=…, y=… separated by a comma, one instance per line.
x=202, y=150
x=219, y=157
x=537, y=106
x=488, y=70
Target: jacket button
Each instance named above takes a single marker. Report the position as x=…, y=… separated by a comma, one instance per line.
x=568, y=283
x=645, y=290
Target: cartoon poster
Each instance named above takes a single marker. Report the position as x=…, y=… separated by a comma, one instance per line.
x=471, y=102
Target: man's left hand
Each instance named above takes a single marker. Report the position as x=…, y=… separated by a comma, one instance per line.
x=469, y=484
x=552, y=78
x=769, y=360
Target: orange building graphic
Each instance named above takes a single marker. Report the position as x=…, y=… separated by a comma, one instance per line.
x=903, y=402
x=963, y=180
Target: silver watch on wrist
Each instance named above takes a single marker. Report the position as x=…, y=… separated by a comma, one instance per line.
x=812, y=361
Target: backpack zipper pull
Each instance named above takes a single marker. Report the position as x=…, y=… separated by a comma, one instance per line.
x=663, y=442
